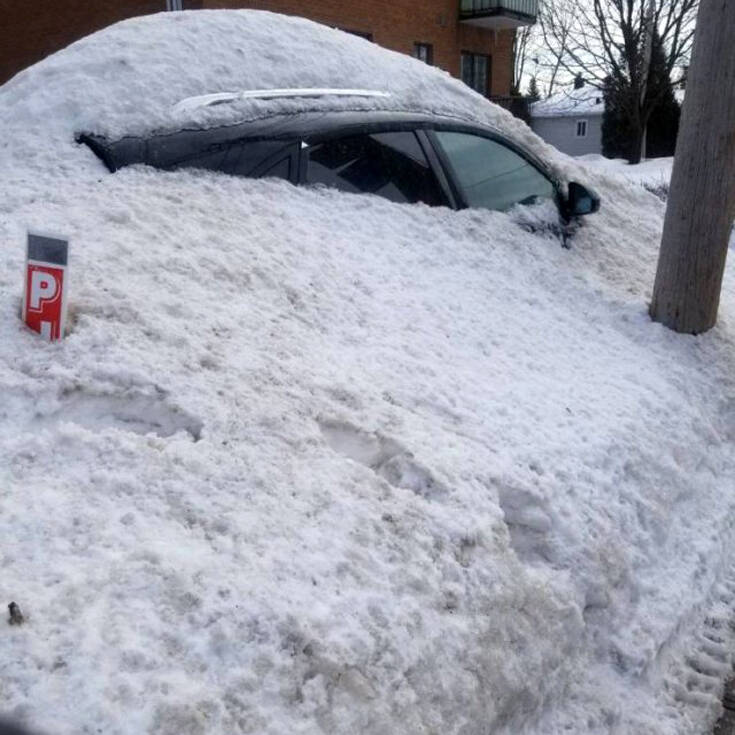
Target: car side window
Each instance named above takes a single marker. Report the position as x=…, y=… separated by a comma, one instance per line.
x=491, y=175
x=261, y=158
x=279, y=170
x=250, y=158
x=391, y=165
x=185, y=151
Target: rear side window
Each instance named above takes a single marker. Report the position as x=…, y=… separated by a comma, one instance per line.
x=185, y=151
x=391, y=165
x=251, y=158
x=491, y=175
x=279, y=170
x=261, y=158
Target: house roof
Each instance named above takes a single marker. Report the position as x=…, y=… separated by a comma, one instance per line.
x=570, y=103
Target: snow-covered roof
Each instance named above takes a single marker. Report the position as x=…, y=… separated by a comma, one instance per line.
x=148, y=65
x=587, y=101
x=314, y=462
x=229, y=53
x=219, y=98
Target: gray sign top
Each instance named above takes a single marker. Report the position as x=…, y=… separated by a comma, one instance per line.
x=47, y=249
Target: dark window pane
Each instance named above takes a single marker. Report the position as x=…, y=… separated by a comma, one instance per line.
x=391, y=165
x=491, y=175
x=467, y=70
x=213, y=161
x=279, y=170
x=179, y=149
x=475, y=69
x=362, y=34
x=424, y=52
x=248, y=156
x=189, y=149
x=240, y=158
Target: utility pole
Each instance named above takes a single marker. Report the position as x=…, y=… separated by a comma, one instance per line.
x=701, y=206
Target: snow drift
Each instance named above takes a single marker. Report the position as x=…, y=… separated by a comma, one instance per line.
x=315, y=463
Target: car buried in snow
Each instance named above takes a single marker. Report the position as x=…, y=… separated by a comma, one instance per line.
x=309, y=460
x=406, y=157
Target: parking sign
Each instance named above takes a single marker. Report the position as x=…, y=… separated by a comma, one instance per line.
x=44, y=294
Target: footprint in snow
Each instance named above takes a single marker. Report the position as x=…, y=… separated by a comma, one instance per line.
x=384, y=456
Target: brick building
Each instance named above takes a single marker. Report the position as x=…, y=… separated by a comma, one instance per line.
x=472, y=39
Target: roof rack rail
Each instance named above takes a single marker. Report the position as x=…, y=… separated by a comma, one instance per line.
x=218, y=98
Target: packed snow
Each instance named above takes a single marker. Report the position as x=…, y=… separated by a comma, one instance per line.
x=654, y=173
x=310, y=462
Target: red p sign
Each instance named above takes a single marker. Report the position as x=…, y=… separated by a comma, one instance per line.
x=44, y=297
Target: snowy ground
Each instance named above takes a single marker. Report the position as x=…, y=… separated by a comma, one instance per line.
x=318, y=463
x=655, y=173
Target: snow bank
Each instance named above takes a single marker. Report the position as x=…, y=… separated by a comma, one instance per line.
x=317, y=463
x=653, y=173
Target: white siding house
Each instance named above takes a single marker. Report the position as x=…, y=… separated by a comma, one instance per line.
x=571, y=120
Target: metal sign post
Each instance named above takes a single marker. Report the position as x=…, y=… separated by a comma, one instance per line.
x=44, y=294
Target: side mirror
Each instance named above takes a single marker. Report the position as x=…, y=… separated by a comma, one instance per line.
x=581, y=200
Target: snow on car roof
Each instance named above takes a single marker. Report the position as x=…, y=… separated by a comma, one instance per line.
x=150, y=64
x=218, y=98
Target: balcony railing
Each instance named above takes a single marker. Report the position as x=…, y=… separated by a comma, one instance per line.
x=499, y=13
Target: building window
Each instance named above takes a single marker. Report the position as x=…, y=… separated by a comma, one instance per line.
x=581, y=128
x=476, y=72
x=424, y=52
x=362, y=34
x=174, y=4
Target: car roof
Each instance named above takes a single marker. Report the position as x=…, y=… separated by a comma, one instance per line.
x=166, y=146
x=218, y=98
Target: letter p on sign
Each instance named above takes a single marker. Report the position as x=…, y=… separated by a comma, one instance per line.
x=44, y=297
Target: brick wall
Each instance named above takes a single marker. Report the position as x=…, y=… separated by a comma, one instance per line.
x=32, y=29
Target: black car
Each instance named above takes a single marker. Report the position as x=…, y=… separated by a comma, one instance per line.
x=405, y=157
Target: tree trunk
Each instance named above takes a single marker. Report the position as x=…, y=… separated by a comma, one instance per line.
x=636, y=145
x=636, y=141
x=701, y=205
x=645, y=118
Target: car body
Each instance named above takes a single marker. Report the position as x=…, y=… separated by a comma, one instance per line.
x=406, y=157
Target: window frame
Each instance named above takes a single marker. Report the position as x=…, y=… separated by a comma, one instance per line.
x=290, y=152
x=488, y=82
x=427, y=148
x=453, y=179
x=365, y=35
x=428, y=47
x=582, y=125
x=440, y=164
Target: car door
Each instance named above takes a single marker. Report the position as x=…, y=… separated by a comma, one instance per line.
x=392, y=164
x=487, y=173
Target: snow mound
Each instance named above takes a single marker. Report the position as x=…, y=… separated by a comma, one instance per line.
x=312, y=462
x=129, y=80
